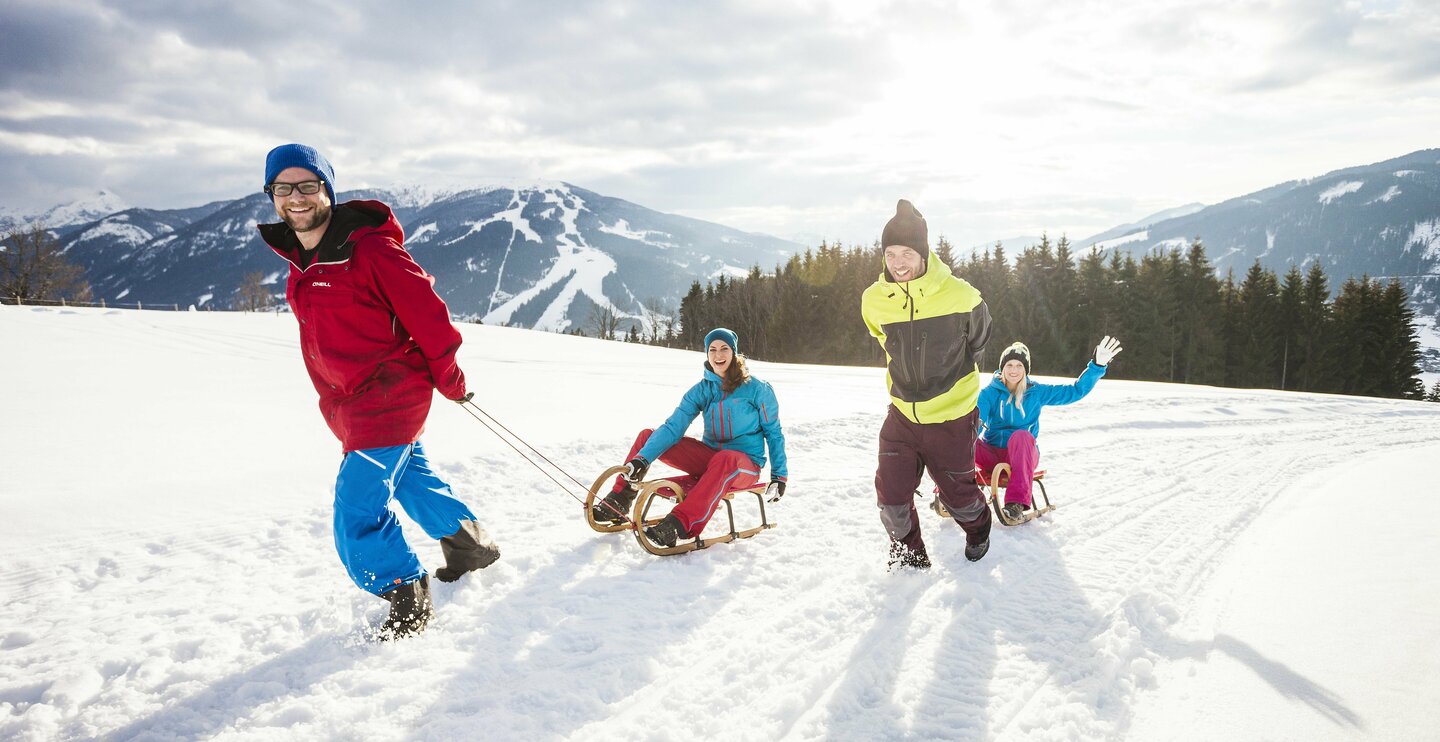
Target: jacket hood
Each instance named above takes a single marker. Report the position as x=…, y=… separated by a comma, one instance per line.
x=379, y=217
x=348, y=222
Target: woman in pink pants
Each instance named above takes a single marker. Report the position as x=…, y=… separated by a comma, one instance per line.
x=1010, y=416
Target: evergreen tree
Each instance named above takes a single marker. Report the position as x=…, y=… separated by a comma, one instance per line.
x=1314, y=369
x=1152, y=311
x=1399, y=345
x=1200, y=355
x=945, y=251
x=1062, y=291
x=1230, y=328
x=990, y=274
x=1095, y=303
x=1257, y=363
x=1359, y=329
x=1292, y=293
x=1033, y=304
x=692, y=316
x=1434, y=395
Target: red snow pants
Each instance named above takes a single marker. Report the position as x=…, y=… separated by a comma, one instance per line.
x=1023, y=456
x=709, y=474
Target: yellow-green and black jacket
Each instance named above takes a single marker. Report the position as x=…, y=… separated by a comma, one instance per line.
x=932, y=329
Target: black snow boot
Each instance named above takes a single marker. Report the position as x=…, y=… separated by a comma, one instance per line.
x=903, y=556
x=1014, y=511
x=410, y=610
x=977, y=552
x=466, y=550
x=614, y=507
x=666, y=532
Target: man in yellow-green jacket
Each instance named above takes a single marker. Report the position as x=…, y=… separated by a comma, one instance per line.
x=933, y=327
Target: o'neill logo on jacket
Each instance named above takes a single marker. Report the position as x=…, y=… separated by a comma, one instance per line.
x=321, y=283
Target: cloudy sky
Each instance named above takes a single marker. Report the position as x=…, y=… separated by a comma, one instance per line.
x=808, y=118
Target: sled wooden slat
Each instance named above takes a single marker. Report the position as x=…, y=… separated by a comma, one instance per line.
x=984, y=478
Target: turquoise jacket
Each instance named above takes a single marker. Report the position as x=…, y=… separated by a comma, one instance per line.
x=1001, y=418
x=745, y=420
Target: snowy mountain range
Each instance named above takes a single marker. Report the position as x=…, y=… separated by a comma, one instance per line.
x=1381, y=220
x=545, y=255
x=98, y=205
x=538, y=255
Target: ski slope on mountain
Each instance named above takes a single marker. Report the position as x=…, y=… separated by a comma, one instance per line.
x=1224, y=564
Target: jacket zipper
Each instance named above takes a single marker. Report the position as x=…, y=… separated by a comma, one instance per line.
x=914, y=406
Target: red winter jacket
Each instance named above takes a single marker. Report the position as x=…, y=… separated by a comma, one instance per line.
x=375, y=336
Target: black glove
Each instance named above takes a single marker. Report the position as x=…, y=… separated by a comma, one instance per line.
x=468, y=396
x=775, y=490
x=635, y=469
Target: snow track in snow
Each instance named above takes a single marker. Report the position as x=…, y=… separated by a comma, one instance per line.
x=172, y=574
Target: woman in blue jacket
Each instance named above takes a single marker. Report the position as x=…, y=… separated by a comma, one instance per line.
x=1010, y=415
x=742, y=422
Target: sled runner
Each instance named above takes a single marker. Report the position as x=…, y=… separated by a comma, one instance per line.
x=602, y=484
x=639, y=517
x=996, y=481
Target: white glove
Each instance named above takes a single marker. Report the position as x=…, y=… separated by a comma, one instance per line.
x=775, y=490
x=1107, y=350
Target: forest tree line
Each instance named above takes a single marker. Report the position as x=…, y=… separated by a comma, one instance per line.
x=1177, y=319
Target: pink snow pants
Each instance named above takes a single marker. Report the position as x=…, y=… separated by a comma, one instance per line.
x=710, y=473
x=1022, y=454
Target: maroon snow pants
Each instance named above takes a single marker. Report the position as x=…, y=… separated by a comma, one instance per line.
x=710, y=473
x=948, y=450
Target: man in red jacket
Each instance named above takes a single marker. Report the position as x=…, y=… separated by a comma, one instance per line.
x=376, y=339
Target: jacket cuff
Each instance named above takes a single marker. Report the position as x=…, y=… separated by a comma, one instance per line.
x=449, y=379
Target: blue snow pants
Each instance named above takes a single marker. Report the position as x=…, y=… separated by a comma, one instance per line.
x=367, y=531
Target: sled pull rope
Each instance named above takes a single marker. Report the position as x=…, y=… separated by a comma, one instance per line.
x=564, y=487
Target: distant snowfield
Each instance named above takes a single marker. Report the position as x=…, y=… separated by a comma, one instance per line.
x=1225, y=564
x=1339, y=189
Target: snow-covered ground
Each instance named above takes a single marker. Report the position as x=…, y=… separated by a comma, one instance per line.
x=1224, y=564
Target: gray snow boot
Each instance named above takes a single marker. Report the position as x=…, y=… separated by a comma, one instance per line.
x=410, y=610
x=1014, y=511
x=977, y=552
x=466, y=550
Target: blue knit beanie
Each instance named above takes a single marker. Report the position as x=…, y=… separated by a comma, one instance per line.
x=721, y=333
x=299, y=155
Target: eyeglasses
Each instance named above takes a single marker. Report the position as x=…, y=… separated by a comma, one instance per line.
x=307, y=187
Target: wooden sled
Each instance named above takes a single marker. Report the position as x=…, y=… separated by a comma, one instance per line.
x=650, y=490
x=639, y=517
x=996, y=480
